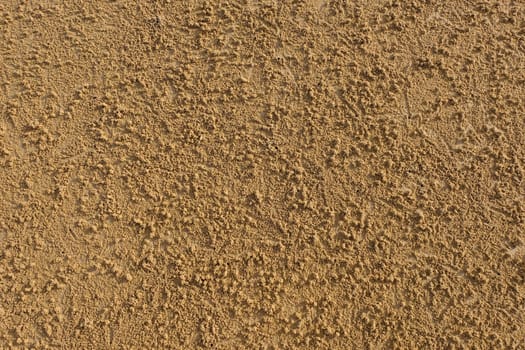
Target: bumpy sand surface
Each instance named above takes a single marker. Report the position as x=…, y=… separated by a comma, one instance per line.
x=262, y=174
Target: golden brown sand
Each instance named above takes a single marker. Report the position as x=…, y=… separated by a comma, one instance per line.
x=262, y=174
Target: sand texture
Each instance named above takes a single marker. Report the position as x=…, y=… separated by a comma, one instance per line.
x=277, y=174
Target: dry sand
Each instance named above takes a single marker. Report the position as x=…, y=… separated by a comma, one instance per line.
x=262, y=174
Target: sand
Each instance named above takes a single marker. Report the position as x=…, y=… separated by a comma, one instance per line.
x=262, y=174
